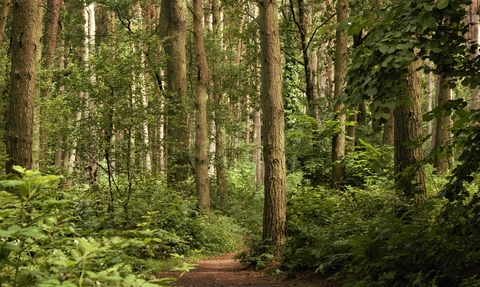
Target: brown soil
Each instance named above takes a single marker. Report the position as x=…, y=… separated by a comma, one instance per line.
x=224, y=271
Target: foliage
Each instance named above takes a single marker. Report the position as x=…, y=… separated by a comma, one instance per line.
x=52, y=236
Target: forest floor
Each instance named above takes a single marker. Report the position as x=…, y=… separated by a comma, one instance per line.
x=224, y=271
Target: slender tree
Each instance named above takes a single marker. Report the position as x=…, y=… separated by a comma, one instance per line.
x=341, y=49
x=220, y=160
x=274, y=216
x=201, y=155
x=442, y=127
x=22, y=84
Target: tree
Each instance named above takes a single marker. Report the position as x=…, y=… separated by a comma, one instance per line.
x=3, y=18
x=409, y=172
x=274, y=214
x=173, y=27
x=22, y=85
x=220, y=161
x=338, y=141
x=442, y=128
x=201, y=155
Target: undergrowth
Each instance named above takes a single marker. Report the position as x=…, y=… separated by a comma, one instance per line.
x=51, y=235
x=358, y=235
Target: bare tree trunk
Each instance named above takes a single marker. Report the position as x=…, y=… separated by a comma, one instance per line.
x=220, y=132
x=409, y=173
x=442, y=133
x=90, y=166
x=274, y=215
x=338, y=141
x=3, y=18
x=473, y=37
x=201, y=155
x=19, y=128
x=173, y=27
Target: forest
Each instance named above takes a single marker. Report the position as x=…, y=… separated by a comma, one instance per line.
x=336, y=136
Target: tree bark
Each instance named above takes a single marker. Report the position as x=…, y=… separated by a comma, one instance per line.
x=338, y=141
x=220, y=130
x=173, y=27
x=3, y=18
x=19, y=127
x=473, y=36
x=274, y=216
x=442, y=133
x=201, y=151
x=409, y=173
x=388, y=130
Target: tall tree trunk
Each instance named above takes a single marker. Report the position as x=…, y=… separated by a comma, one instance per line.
x=48, y=57
x=338, y=141
x=201, y=155
x=173, y=27
x=274, y=215
x=473, y=37
x=442, y=133
x=19, y=128
x=3, y=18
x=90, y=165
x=409, y=173
x=220, y=131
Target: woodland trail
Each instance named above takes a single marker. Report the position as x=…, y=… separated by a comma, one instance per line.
x=224, y=271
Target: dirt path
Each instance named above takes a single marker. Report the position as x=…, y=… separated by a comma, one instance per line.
x=223, y=271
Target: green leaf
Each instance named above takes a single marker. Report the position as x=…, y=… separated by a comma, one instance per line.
x=430, y=22
x=442, y=4
x=30, y=232
x=18, y=169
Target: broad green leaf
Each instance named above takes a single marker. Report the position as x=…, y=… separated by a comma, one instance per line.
x=30, y=232
x=14, y=228
x=430, y=22
x=12, y=247
x=18, y=169
x=442, y=4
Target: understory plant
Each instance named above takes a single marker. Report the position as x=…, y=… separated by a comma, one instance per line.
x=54, y=235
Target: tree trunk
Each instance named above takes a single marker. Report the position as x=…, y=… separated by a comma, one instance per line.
x=274, y=215
x=409, y=173
x=201, y=155
x=19, y=127
x=389, y=130
x=173, y=27
x=429, y=99
x=257, y=139
x=220, y=131
x=3, y=18
x=442, y=133
x=473, y=36
x=338, y=141
x=48, y=57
